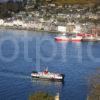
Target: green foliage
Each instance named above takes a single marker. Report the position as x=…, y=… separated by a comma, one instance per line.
x=47, y=17
x=95, y=86
x=41, y=96
x=6, y=9
x=73, y=1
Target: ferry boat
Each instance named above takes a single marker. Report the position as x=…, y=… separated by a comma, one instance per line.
x=46, y=75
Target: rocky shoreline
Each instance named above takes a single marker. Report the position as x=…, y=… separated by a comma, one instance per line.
x=28, y=29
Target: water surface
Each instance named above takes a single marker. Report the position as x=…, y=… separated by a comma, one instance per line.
x=23, y=51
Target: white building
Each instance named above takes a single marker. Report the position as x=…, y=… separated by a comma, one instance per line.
x=1, y=21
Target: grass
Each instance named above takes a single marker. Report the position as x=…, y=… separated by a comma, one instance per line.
x=41, y=96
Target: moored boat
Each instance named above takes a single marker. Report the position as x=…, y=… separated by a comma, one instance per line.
x=46, y=75
x=68, y=38
x=89, y=37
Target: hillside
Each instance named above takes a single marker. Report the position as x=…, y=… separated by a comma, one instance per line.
x=61, y=2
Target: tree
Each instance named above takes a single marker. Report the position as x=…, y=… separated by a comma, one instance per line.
x=7, y=8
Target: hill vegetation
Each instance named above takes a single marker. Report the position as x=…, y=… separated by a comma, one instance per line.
x=7, y=9
x=61, y=2
x=41, y=96
x=95, y=86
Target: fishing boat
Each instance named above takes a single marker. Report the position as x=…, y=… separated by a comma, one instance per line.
x=63, y=36
x=68, y=38
x=89, y=37
x=46, y=75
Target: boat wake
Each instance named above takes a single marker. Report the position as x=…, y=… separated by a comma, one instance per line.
x=13, y=74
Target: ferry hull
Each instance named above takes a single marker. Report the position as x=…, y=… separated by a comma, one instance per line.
x=89, y=40
x=67, y=40
x=48, y=79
